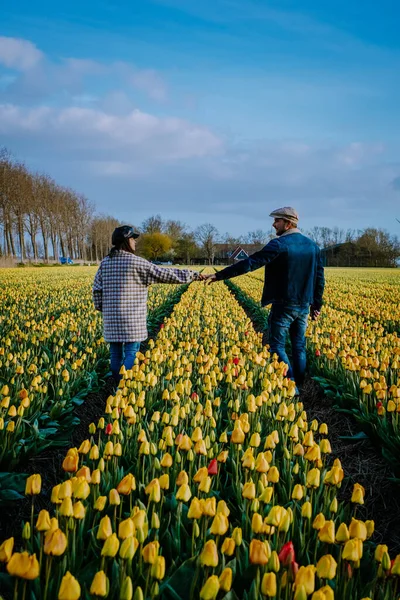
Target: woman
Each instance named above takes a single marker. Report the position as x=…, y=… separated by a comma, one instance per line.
x=120, y=293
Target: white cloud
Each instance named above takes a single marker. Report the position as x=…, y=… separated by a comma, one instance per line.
x=146, y=80
x=139, y=136
x=19, y=54
x=40, y=77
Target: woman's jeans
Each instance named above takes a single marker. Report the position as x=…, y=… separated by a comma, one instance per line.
x=289, y=320
x=122, y=353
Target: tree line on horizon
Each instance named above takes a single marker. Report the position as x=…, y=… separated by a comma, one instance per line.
x=42, y=220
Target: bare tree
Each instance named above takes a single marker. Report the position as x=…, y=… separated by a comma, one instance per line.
x=258, y=236
x=153, y=224
x=207, y=236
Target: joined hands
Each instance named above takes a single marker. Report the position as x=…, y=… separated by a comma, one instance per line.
x=208, y=278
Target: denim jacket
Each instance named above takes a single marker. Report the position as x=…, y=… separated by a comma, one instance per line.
x=294, y=273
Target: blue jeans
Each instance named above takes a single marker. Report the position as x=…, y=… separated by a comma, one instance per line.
x=122, y=353
x=289, y=319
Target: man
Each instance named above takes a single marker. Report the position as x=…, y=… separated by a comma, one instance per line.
x=294, y=285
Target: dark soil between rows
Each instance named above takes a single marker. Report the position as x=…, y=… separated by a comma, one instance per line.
x=362, y=463
x=48, y=464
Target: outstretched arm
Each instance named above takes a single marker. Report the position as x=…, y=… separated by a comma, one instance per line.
x=255, y=261
x=157, y=274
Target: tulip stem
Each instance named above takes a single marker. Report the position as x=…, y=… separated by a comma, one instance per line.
x=48, y=570
x=24, y=591
x=41, y=548
x=32, y=515
x=147, y=582
x=15, y=596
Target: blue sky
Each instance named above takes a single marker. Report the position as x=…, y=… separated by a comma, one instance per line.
x=217, y=111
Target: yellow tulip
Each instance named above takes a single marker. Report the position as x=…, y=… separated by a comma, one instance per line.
x=69, y=588
x=325, y=593
x=158, y=568
x=326, y=567
x=249, y=490
x=342, y=534
x=6, y=549
x=153, y=490
x=358, y=494
x=222, y=507
x=259, y=552
x=43, y=521
x=357, y=529
x=396, y=566
x=55, y=542
x=268, y=585
x=23, y=565
x=220, y=524
x=225, y=580
x=209, y=554
x=126, y=592
x=298, y=492
x=164, y=481
x=100, y=585
x=79, y=511
x=327, y=533
x=305, y=578
x=183, y=494
x=150, y=552
x=71, y=463
x=100, y=503
x=313, y=478
x=128, y=548
x=353, y=550
x=33, y=485
x=379, y=552
x=228, y=546
x=66, y=508
x=114, y=497
x=126, y=485
x=105, y=529
x=210, y=589
x=111, y=546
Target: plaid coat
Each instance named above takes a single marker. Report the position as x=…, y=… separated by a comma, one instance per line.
x=120, y=293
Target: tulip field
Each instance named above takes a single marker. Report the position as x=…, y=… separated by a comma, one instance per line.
x=204, y=478
x=354, y=347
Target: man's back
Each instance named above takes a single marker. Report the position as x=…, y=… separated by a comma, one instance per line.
x=292, y=276
x=293, y=270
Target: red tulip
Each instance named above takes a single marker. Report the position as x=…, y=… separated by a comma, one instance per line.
x=293, y=569
x=108, y=429
x=213, y=467
x=318, y=353
x=287, y=554
x=236, y=360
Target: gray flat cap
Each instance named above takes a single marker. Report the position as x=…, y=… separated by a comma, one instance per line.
x=287, y=212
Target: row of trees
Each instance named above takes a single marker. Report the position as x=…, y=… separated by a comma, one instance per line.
x=172, y=240
x=38, y=217
x=42, y=220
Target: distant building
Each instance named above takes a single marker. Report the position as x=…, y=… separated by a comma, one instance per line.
x=228, y=254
